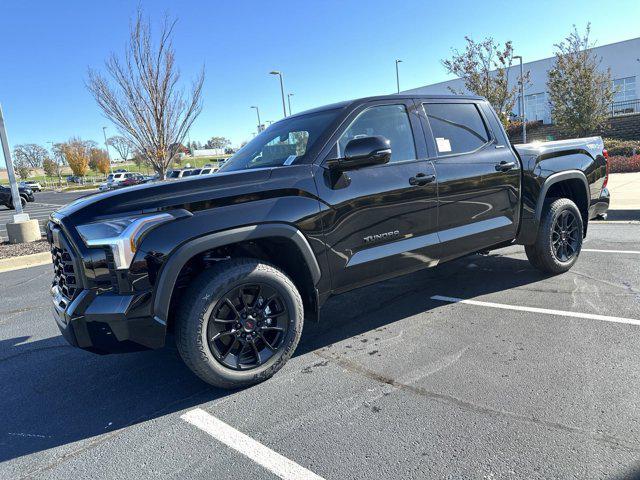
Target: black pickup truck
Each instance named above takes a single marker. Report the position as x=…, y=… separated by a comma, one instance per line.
x=26, y=195
x=319, y=203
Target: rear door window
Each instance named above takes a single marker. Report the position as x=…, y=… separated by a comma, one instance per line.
x=457, y=127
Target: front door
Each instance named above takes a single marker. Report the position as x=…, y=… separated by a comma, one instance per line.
x=380, y=221
x=478, y=176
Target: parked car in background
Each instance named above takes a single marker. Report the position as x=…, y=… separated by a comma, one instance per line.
x=75, y=179
x=32, y=184
x=26, y=195
x=131, y=179
x=208, y=171
x=175, y=174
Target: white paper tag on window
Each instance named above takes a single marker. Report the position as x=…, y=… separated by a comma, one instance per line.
x=290, y=159
x=444, y=145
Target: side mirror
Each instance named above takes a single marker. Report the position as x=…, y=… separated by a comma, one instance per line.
x=363, y=152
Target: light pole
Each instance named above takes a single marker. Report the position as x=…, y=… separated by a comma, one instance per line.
x=398, y=74
x=106, y=145
x=258, y=113
x=289, y=95
x=276, y=72
x=524, y=121
x=15, y=193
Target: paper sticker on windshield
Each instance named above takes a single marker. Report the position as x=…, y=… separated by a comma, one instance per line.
x=444, y=145
x=290, y=159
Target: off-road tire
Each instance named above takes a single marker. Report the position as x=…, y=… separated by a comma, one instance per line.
x=195, y=309
x=542, y=254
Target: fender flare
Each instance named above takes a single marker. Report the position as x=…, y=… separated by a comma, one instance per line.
x=559, y=177
x=179, y=257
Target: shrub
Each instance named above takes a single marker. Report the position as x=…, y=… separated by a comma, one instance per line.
x=515, y=126
x=621, y=148
x=622, y=164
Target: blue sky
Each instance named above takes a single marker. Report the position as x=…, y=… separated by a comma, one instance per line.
x=328, y=51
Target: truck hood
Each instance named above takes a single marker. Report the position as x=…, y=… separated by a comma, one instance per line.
x=162, y=195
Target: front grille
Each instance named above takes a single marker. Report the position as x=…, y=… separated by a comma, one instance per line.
x=65, y=275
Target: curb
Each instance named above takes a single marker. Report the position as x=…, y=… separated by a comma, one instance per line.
x=24, y=261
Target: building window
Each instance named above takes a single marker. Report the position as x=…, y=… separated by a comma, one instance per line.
x=624, y=89
x=536, y=107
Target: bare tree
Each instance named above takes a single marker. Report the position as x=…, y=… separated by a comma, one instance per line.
x=59, y=159
x=30, y=154
x=484, y=67
x=144, y=101
x=121, y=145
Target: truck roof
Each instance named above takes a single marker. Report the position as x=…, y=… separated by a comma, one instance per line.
x=394, y=96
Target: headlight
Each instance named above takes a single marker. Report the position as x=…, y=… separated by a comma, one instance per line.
x=122, y=235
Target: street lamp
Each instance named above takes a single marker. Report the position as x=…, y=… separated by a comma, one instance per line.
x=258, y=113
x=522, y=115
x=289, y=95
x=276, y=72
x=398, y=75
x=104, y=132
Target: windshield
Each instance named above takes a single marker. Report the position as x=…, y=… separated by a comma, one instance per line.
x=173, y=174
x=282, y=143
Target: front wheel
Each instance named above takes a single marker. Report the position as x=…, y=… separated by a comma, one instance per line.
x=559, y=238
x=239, y=323
x=23, y=202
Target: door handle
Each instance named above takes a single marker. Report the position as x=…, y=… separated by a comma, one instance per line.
x=421, y=179
x=505, y=166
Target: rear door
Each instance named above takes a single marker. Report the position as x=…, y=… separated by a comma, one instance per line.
x=379, y=221
x=478, y=176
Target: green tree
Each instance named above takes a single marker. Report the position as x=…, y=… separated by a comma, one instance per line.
x=50, y=167
x=22, y=167
x=484, y=68
x=218, y=142
x=580, y=92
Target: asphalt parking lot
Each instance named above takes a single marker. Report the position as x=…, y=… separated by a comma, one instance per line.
x=40, y=209
x=538, y=377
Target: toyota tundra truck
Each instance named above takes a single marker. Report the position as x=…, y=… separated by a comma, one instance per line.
x=320, y=203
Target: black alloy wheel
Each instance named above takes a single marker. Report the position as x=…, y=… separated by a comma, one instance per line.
x=247, y=326
x=565, y=236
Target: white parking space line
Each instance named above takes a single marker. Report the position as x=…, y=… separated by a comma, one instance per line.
x=634, y=252
x=247, y=446
x=546, y=311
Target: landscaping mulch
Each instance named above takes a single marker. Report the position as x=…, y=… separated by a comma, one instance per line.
x=8, y=250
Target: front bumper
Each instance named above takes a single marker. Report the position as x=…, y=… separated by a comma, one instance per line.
x=92, y=314
x=102, y=324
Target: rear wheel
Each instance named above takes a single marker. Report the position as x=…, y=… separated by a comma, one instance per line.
x=559, y=237
x=239, y=323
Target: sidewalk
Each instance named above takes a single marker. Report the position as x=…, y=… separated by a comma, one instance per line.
x=625, y=191
x=625, y=197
